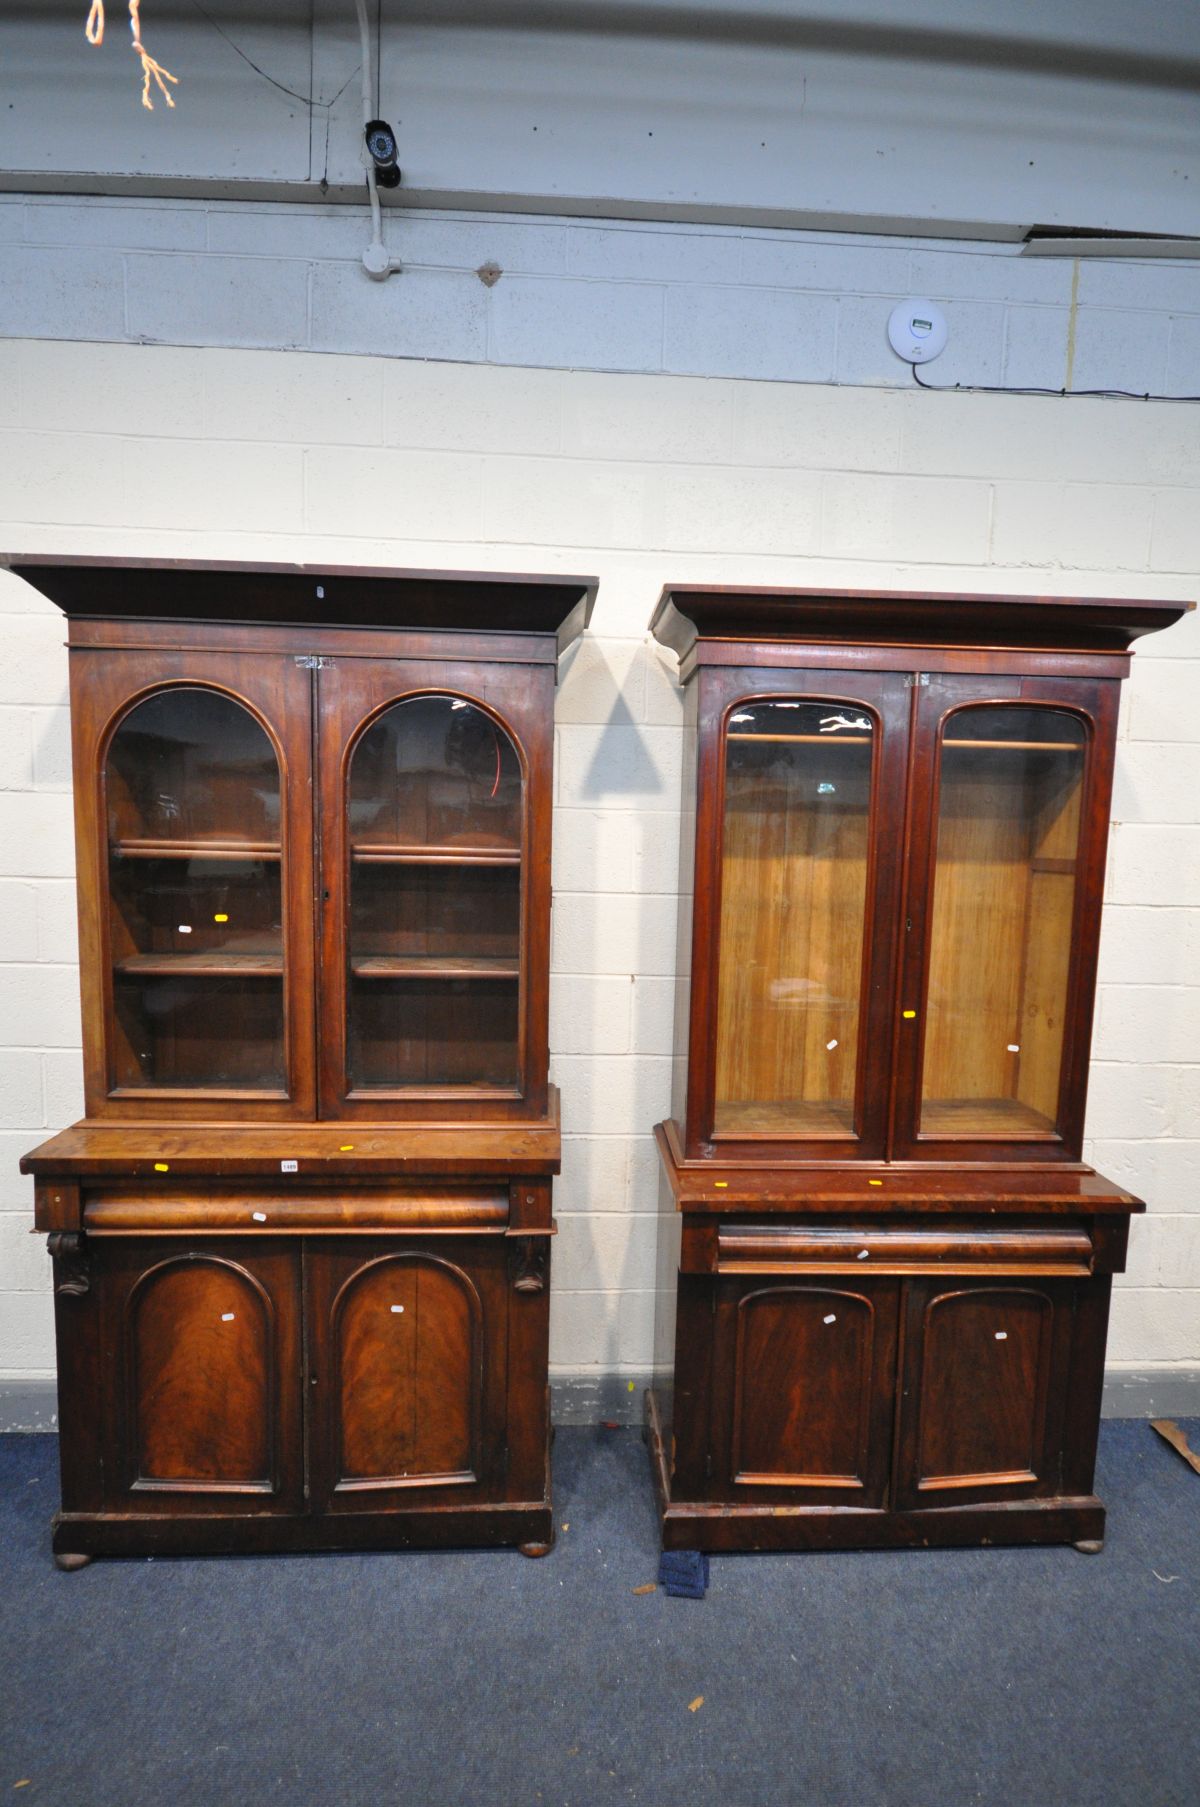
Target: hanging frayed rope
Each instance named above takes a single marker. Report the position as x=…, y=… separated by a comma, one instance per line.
x=152, y=71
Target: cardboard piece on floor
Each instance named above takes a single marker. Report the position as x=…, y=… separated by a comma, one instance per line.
x=1170, y=1432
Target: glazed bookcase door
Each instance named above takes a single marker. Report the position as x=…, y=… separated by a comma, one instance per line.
x=193, y=801
x=802, y=860
x=1010, y=814
x=435, y=818
x=406, y=1372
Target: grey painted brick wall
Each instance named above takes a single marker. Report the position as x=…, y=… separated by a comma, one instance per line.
x=621, y=296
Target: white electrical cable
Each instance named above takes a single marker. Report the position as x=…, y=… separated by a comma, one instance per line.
x=376, y=261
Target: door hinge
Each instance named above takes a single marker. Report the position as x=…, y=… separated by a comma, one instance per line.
x=913, y=678
x=313, y=661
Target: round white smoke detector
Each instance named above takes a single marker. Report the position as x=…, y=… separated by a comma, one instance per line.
x=917, y=331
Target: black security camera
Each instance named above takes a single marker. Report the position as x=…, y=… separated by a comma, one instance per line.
x=381, y=143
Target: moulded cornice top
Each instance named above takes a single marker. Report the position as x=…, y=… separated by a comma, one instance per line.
x=311, y=595
x=692, y=613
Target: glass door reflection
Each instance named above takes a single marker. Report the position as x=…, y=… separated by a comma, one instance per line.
x=435, y=900
x=794, y=862
x=195, y=906
x=1009, y=796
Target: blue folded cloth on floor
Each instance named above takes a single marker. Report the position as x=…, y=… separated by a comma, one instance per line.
x=683, y=1573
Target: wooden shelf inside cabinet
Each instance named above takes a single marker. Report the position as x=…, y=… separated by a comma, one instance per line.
x=384, y=854
x=823, y=1120
x=1001, y=1117
x=432, y=966
x=1015, y=746
x=194, y=850
x=200, y=966
x=809, y=740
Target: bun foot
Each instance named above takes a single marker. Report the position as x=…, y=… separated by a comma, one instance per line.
x=70, y=1559
x=1090, y=1546
x=535, y=1549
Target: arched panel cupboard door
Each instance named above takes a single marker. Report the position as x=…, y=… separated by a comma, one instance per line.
x=407, y=1359
x=201, y=1407
x=435, y=783
x=194, y=830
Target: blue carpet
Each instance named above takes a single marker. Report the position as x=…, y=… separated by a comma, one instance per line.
x=1014, y=1678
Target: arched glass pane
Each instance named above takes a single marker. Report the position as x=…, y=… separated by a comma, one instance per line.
x=793, y=912
x=435, y=807
x=196, y=926
x=1003, y=902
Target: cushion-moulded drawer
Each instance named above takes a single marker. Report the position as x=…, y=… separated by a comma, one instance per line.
x=1063, y=1247
x=428, y=1209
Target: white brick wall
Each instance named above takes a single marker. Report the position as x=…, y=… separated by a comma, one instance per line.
x=243, y=453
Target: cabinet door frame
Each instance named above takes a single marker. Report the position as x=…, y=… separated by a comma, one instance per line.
x=732, y=1299
x=885, y=695
x=121, y=1269
x=939, y=695
x=914, y=1491
x=106, y=685
x=351, y=696
x=479, y=1266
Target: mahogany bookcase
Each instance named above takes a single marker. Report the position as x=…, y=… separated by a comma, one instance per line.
x=301, y=1238
x=884, y=1267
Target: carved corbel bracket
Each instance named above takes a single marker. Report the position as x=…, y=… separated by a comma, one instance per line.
x=529, y=1264
x=72, y=1262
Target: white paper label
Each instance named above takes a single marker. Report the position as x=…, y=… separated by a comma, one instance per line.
x=832, y=1318
x=259, y=1216
x=289, y=1166
x=227, y=1317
